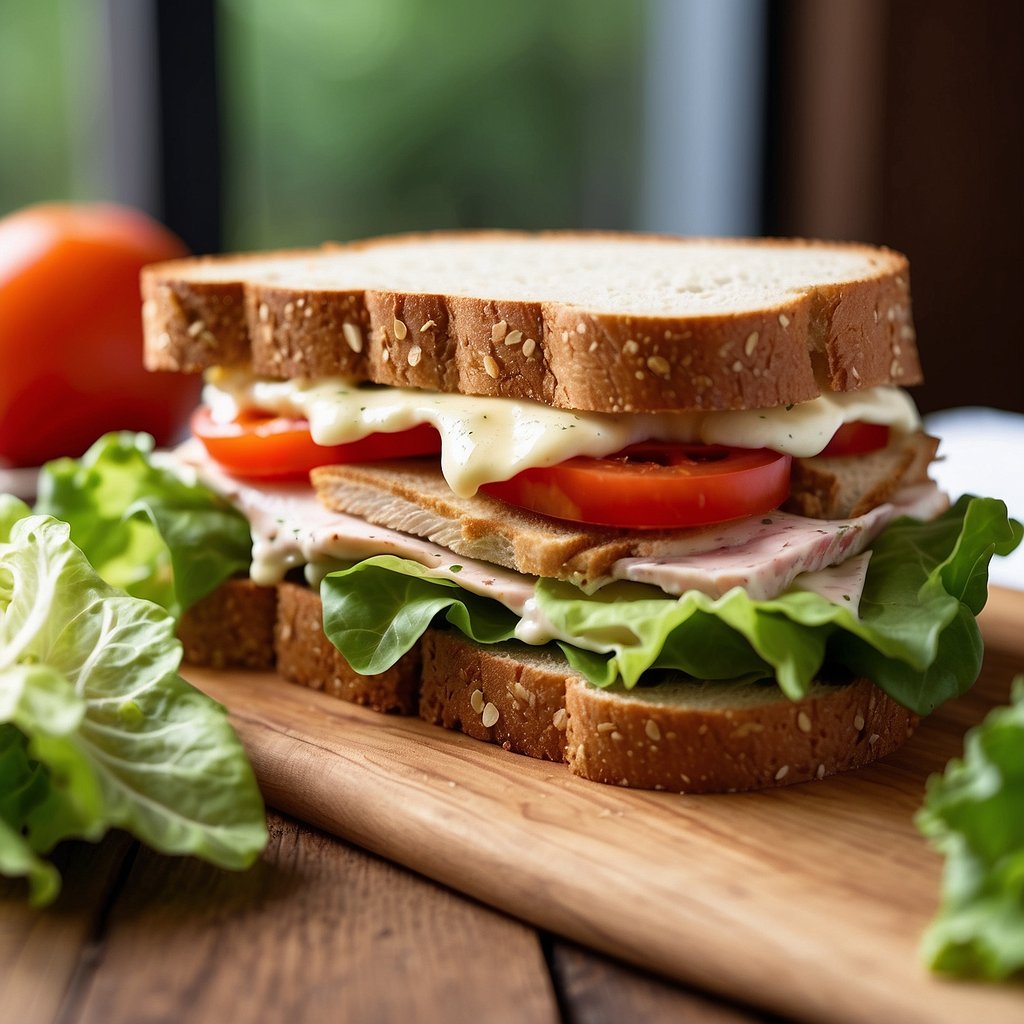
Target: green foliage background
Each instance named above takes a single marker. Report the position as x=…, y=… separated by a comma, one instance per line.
x=355, y=117
x=35, y=139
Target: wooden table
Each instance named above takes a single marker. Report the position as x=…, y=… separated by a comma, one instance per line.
x=319, y=930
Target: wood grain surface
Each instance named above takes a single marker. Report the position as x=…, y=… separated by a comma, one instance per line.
x=316, y=928
x=808, y=901
x=597, y=990
x=42, y=955
x=319, y=930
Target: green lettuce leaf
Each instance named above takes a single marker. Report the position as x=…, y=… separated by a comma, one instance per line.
x=43, y=705
x=11, y=510
x=915, y=636
x=974, y=814
x=376, y=610
x=113, y=736
x=24, y=790
x=926, y=583
x=143, y=529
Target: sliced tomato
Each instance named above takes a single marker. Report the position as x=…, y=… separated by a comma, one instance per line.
x=652, y=485
x=260, y=444
x=857, y=438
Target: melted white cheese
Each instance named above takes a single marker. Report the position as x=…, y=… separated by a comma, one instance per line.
x=489, y=439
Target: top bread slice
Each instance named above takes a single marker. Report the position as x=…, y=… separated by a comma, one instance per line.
x=590, y=321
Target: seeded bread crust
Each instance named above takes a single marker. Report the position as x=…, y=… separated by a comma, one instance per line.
x=305, y=656
x=503, y=694
x=696, y=737
x=232, y=627
x=679, y=735
x=684, y=736
x=840, y=336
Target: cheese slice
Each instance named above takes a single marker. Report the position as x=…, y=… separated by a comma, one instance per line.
x=484, y=439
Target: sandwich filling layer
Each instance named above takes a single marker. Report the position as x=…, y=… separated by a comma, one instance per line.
x=291, y=528
x=601, y=588
x=484, y=439
x=763, y=557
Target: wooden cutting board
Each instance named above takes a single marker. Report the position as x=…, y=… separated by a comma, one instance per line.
x=808, y=901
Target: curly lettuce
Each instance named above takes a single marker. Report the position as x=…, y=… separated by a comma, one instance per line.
x=143, y=529
x=97, y=729
x=974, y=814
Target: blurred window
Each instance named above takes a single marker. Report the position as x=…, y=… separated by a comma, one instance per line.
x=35, y=116
x=78, y=110
x=351, y=118
x=291, y=123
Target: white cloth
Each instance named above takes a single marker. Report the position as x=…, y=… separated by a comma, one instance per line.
x=982, y=452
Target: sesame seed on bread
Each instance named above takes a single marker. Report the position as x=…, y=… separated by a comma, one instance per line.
x=590, y=321
x=305, y=656
x=701, y=737
x=503, y=693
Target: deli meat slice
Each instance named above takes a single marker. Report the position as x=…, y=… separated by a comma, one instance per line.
x=411, y=496
x=291, y=529
x=776, y=549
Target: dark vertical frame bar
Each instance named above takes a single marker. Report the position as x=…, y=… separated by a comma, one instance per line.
x=773, y=116
x=951, y=193
x=189, y=113
x=827, y=91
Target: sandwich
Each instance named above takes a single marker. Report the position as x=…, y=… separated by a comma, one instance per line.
x=658, y=508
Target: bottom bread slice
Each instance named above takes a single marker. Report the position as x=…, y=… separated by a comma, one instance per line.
x=696, y=737
x=305, y=656
x=232, y=627
x=679, y=734
x=506, y=693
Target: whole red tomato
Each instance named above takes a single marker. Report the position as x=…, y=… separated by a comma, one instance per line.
x=71, y=332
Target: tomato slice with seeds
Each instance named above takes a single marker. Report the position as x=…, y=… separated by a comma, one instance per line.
x=262, y=444
x=654, y=485
x=857, y=438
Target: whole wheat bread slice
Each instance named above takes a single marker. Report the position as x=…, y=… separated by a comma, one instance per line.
x=503, y=693
x=305, y=656
x=841, y=487
x=696, y=737
x=612, y=323
x=232, y=627
x=678, y=735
